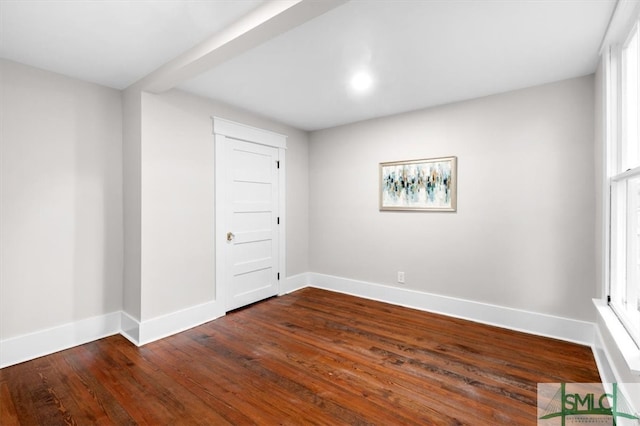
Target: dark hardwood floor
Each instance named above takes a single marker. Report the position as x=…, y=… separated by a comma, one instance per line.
x=311, y=357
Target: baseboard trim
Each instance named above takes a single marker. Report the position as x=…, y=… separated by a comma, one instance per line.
x=176, y=322
x=130, y=328
x=34, y=345
x=45, y=342
x=294, y=283
x=571, y=330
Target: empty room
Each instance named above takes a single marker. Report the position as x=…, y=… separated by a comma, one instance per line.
x=286, y=212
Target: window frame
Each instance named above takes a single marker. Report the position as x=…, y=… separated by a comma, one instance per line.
x=617, y=178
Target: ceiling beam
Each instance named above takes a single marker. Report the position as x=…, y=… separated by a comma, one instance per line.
x=269, y=20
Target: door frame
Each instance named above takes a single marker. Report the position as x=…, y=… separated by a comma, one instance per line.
x=223, y=130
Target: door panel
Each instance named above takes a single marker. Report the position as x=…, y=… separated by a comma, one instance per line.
x=246, y=221
x=252, y=166
x=252, y=193
x=248, y=252
x=251, y=287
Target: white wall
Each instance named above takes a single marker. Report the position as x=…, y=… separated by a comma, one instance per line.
x=61, y=200
x=526, y=242
x=523, y=235
x=177, y=168
x=101, y=187
x=132, y=200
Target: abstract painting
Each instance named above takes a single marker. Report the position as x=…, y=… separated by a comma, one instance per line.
x=428, y=184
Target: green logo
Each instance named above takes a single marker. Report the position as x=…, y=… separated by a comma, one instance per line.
x=583, y=403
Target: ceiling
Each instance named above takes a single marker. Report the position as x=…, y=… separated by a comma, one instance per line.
x=109, y=42
x=419, y=53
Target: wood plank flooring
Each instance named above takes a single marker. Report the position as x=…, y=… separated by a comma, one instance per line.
x=311, y=357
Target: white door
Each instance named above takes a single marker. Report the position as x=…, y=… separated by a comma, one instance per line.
x=250, y=209
x=252, y=221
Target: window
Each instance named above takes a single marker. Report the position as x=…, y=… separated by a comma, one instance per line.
x=624, y=163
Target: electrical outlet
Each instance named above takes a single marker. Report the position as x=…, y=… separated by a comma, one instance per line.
x=401, y=277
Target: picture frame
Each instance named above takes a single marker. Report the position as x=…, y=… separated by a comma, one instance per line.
x=419, y=185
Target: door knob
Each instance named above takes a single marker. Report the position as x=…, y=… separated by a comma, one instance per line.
x=230, y=236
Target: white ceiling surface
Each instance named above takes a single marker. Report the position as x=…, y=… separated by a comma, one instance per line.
x=420, y=52
x=110, y=42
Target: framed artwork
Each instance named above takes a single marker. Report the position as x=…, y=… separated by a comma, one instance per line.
x=426, y=185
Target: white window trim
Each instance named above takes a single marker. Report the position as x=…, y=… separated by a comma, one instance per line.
x=627, y=347
x=623, y=20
